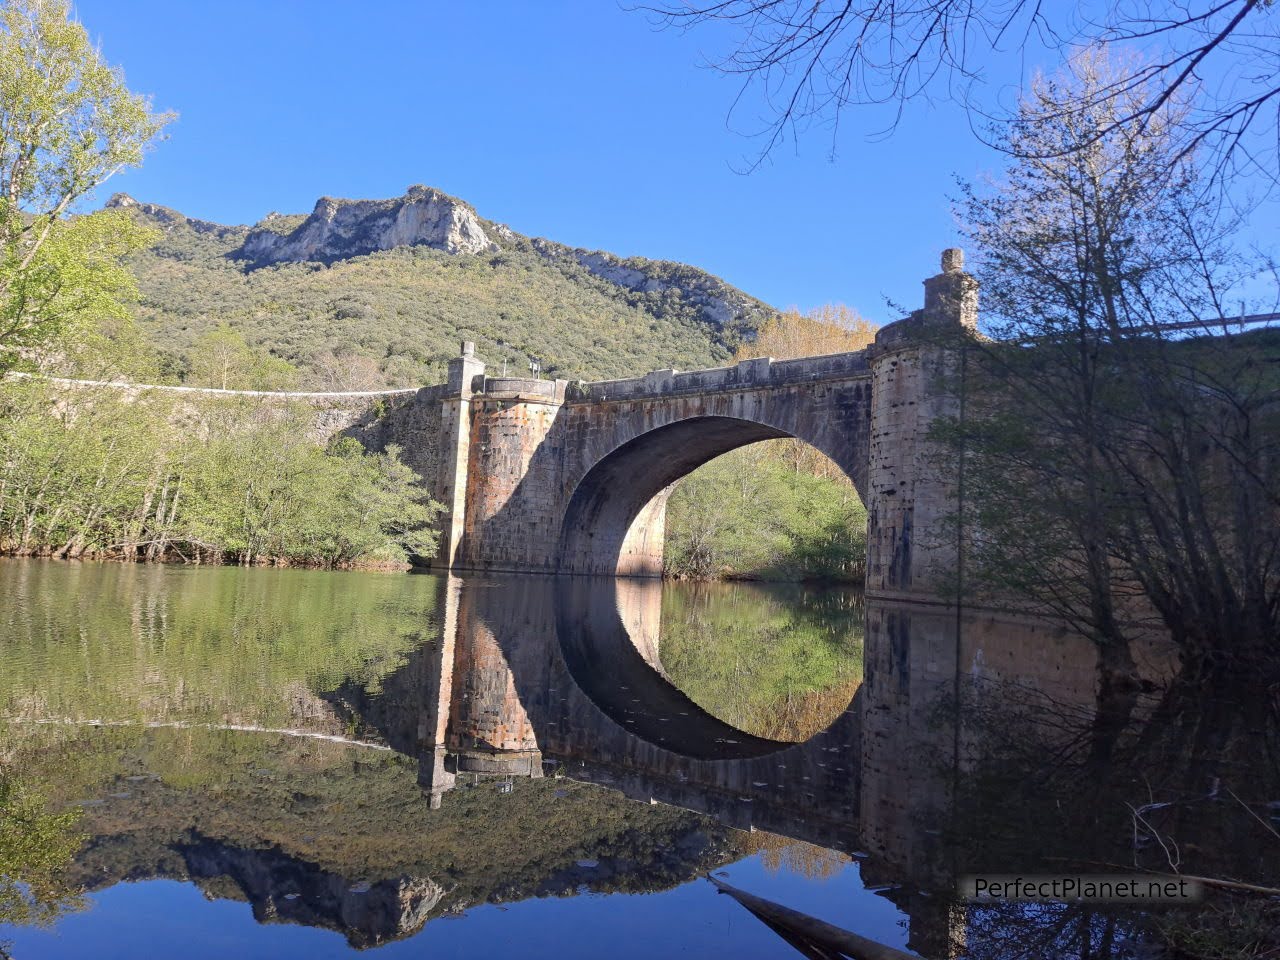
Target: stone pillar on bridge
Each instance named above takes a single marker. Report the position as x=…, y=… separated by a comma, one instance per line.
x=512, y=517
x=912, y=490
x=455, y=444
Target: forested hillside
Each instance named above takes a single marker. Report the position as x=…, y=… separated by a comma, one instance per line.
x=385, y=289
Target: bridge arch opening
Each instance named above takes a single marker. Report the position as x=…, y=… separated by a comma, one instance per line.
x=614, y=522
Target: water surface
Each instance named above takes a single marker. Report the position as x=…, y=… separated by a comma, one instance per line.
x=218, y=761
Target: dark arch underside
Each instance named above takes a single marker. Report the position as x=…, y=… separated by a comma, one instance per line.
x=604, y=506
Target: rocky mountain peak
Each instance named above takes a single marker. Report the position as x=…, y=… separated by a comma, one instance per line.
x=338, y=229
x=167, y=218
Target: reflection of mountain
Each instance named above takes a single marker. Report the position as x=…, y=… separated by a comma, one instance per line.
x=285, y=889
x=341, y=837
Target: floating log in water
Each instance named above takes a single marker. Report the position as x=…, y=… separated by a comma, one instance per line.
x=812, y=937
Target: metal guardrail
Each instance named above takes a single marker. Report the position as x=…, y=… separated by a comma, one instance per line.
x=1221, y=323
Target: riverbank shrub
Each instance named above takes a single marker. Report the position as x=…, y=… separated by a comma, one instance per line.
x=756, y=514
x=151, y=477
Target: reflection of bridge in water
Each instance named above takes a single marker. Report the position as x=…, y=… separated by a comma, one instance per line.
x=542, y=673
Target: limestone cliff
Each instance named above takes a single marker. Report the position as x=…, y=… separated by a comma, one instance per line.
x=167, y=218
x=339, y=229
x=719, y=303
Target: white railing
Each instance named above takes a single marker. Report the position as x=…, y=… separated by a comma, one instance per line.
x=299, y=394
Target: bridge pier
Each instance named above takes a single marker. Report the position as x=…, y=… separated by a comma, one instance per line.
x=455, y=451
x=912, y=487
x=510, y=519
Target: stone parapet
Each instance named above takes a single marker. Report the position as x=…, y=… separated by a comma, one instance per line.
x=575, y=477
x=466, y=373
x=524, y=388
x=747, y=374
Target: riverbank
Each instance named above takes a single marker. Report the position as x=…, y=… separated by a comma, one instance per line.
x=138, y=478
x=854, y=579
x=198, y=559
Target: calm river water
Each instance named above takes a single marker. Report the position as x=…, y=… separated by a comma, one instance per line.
x=216, y=762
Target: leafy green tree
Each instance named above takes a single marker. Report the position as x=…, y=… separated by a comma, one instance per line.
x=269, y=493
x=392, y=501
x=222, y=359
x=750, y=514
x=67, y=124
x=155, y=476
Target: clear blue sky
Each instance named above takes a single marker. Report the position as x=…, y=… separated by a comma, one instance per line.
x=571, y=120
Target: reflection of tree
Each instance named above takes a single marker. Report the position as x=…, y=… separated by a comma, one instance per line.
x=223, y=645
x=1186, y=788
x=800, y=715
x=776, y=853
x=780, y=663
x=36, y=847
x=1023, y=931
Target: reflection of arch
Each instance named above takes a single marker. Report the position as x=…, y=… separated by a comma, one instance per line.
x=576, y=670
x=622, y=683
x=613, y=522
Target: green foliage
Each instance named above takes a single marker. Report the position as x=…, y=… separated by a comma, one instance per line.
x=778, y=663
x=223, y=360
x=151, y=476
x=68, y=124
x=752, y=514
x=272, y=492
x=112, y=349
x=36, y=848
x=212, y=645
x=73, y=282
x=406, y=309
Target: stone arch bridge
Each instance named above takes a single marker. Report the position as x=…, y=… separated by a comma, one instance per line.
x=552, y=476
x=549, y=476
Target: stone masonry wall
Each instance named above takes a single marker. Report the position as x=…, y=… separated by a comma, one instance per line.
x=559, y=485
x=573, y=477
